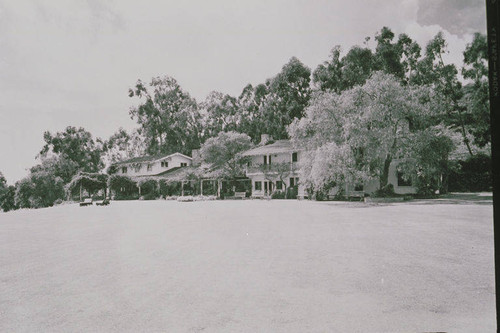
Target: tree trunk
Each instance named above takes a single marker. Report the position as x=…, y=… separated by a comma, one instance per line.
x=384, y=178
x=201, y=187
x=80, y=191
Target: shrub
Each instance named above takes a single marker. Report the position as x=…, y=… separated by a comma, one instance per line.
x=472, y=175
x=39, y=189
x=278, y=195
x=385, y=192
x=149, y=189
x=7, y=201
x=291, y=192
x=58, y=201
x=124, y=187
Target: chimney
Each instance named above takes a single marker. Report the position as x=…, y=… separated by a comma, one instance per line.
x=264, y=138
x=195, y=155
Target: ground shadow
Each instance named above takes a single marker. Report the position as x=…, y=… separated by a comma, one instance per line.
x=483, y=198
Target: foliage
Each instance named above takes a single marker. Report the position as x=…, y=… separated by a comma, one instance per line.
x=6, y=195
x=270, y=107
x=39, y=189
x=429, y=163
x=124, y=187
x=471, y=175
x=91, y=182
x=475, y=100
x=7, y=201
x=353, y=137
x=291, y=192
x=122, y=145
x=76, y=147
x=220, y=114
x=278, y=195
x=223, y=152
x=385, y=192
x=149, y=189
x=168, y=116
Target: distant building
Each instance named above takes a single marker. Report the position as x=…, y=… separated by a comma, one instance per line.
x=152, y=165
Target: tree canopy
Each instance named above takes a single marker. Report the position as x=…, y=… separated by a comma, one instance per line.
x=222, y=152
x=354, y=136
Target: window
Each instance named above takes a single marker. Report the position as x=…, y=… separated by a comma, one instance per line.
x=265, y=186
x=402, y=181
x=258, y=186
x=292, y=182
x=150, y=167
x=249, y=163
x=279, y=185
x=294, y=157
x=269, y=159
x=164, y=164
x=265, y=160
x=183, y=164
x=124, y=169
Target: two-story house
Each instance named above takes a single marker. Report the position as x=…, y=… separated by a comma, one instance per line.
x=152, y=165
x=273, y=167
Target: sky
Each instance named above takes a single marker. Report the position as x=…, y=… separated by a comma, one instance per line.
x=71, y=63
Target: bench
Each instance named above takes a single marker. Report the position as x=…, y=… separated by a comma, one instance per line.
x=356, y=195
x=86, y=202
x=104, y=202
x=240, y=195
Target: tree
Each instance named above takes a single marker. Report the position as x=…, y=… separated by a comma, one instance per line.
x=288, y=95
x=59, y=166
x=388, y=54
x=410, y=54
x=122, y=145
x=353, y=137
x=328, y=75
x=357, y=67
x=6, y=195
x=39, y=189
x=168, y=116
x=223, y=153
x=220, y=113
x=250, y=105
x=476, y=97
x=432, y=71
x=75, y=145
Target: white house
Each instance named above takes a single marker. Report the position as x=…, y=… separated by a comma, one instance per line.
x=401, y=185
x=273, y=167
x=152, y=165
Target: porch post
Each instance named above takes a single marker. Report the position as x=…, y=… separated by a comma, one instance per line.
x=182, y=188
x=201, y=187
x=80, y=190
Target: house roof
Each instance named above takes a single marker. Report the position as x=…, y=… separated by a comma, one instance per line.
x=152, y=158
x=173, y=174
x=280, y=146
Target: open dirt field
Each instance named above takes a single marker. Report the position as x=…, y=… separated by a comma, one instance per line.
x=249, y=266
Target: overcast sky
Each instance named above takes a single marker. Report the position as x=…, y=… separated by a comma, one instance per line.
x=71, y=62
